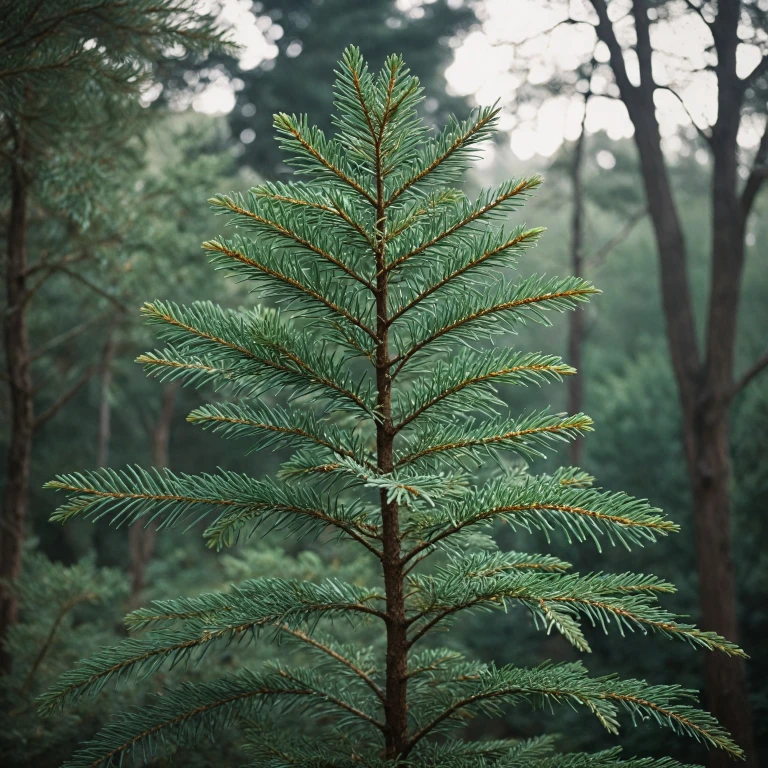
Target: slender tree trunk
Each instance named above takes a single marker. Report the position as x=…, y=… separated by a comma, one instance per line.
x=576, y=319
x=21, y=399
x=725, y=677
x=705, y=386
x=141, y=538
x=105, y=401
x=101, y=536
x=726, y=684
x=396, y=694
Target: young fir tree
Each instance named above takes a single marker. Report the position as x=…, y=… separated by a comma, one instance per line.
x=393, y=280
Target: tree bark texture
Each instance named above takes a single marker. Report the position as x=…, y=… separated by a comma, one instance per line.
x=141, y=537
x=576, y=319
x=21, y=400
x=705, y=381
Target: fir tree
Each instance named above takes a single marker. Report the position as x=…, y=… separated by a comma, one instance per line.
x=389, y=281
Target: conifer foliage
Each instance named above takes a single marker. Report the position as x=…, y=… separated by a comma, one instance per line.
x=389, y=282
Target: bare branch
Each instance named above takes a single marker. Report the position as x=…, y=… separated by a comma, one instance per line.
x=704, y=132
x=93, y=287
x=644, y=49
x=65, y=398
x=65, y=336
x=699, y=12
x=600, y=255
x=44, y=264
x=85, y=597
x=760, y=365
x=760, y=69
x=607, y=34
x=757, y=175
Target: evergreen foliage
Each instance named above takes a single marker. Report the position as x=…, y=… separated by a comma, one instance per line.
x=67, y=611
x=380, y=272
x=72, y=72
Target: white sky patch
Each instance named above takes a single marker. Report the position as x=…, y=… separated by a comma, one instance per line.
x=485, y=60
x=486, y=68
x=217, y=99
x=256, y=36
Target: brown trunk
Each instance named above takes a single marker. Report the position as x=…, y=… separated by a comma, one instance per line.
x=105, y=402
x=576, y=319
x=709, y=461
x=704, y=394
x=705, y=387
x=100, y=535
x=141, y=537
x=21, y=401
x=726, y=685
x=396, y=693
x=725, y=677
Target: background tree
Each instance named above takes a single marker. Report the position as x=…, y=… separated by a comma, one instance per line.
x=706, y=379
x=375, y=255
x=639, y=67
x=70, y=78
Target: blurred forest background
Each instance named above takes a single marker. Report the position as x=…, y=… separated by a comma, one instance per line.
x=115, y=211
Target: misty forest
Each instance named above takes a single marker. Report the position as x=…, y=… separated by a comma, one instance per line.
x=384, y=383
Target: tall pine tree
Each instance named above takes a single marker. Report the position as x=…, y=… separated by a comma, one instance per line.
x=389, y=281
x=71, y=76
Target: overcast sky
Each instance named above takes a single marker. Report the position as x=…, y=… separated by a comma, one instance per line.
x=485, y=64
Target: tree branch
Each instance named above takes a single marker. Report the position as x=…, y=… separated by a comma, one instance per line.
x=304, y=637
x=607, y=34
x=65, y=398
x=705, y=133
x=65, y=336
x=85, y=597
x=699, y=12
x=644, y=49
x=760, y=69
x=92, y=286
x=757, y=175
x=600, y=255
x=760, y=365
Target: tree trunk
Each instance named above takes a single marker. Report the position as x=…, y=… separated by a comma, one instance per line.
x=396, y=700
x=100, y=535
x=705, y=387
x=726, y=685
x=105, y=402
x=576, y=319
x=141, y=537
x=21, y=401
x=709, y=468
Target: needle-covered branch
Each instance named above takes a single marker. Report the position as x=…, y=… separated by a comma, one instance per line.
x=257, y=348
x=569, y=684
x=495, y=311
x=213, y=619
x=195, y=711
x=470, y=442
x=467, y=382
x=545, y=504
x=310, y=290
x=296, y=233
x=442, y=228
x=162, y=497
x=266, y=427
x=555, y=600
